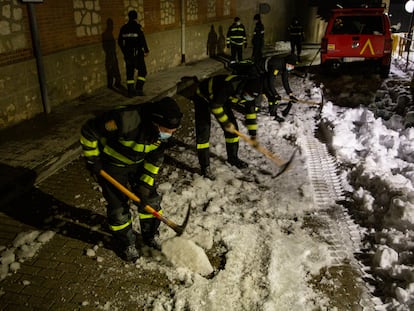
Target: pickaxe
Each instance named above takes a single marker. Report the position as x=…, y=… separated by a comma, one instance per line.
x=179, y=229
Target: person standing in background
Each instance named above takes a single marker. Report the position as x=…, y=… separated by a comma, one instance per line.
x=236, y=38
x=258, y=38
x=132, y=42
x=296, y=37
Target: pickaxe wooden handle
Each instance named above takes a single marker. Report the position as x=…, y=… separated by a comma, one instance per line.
x=177, y=228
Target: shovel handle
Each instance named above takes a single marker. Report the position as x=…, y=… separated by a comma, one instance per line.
x=135, y=198
x=279, y=162
x=303, y=101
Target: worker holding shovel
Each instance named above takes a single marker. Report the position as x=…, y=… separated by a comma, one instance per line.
x=128, y=144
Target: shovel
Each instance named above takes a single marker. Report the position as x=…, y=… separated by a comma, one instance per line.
x=177, y=228
x=283, y=166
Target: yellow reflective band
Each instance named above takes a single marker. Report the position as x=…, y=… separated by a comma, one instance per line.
x=275, y=72
x=228, y=78
x=252, y=126
x=139, y=147
x=232, y=140
x=203, y=146
x=120, y=227
x=251, y=116
x=223, y=119
x=234, y=100
x=148, y=216
x=130, y=81
x=141, y=78
x=88, y=143
x=108, y=150
x=151, y=168
x=147, y=179
x=91, y=153
x=217, y=110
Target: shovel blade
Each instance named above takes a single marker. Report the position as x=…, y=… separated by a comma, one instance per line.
x=283, y=168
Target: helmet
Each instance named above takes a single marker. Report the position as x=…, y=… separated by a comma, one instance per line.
x=256, y=17
x=291, y=59
x=132, y=15
x=237, y=19
x=253, y=87
x=166, y=113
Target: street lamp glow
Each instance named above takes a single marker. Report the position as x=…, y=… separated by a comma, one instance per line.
x=409, y=6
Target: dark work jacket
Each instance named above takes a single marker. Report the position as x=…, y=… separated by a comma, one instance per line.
x=258, y=34
x=226, y=90
x=273, y=66
x=131, y=39
x=124, y=137
x=236, y=35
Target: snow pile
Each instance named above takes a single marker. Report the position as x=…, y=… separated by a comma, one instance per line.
x=25, y=246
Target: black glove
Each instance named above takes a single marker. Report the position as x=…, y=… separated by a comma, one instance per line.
x=94, y=165
x=293, y=98
x=278, y=98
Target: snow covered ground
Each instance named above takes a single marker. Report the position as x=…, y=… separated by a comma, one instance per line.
x=263, y=231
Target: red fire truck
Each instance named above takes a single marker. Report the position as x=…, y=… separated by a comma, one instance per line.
x=357, y=35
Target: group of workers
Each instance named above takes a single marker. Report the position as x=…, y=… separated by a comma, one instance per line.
x=128, y=143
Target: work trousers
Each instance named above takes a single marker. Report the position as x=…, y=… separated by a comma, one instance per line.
x=203, y=128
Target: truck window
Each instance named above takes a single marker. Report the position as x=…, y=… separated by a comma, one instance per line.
x=367, y=25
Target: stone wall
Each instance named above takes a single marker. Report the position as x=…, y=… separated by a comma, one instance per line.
x=77, y=37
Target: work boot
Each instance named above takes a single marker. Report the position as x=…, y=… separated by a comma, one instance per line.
x=207, y=173
x=278, y=119
x=153, y=242
x=285, y=111
x=238, y=163
x=131, y=91
x=130, y=253
x=139, y=88
x=272, y=109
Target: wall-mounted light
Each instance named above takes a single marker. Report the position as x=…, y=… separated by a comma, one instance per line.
x=409, y=6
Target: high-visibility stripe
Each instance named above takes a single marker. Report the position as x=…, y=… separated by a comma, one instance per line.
x=229, y=77
x=252, y=126
x=251, y=116
x=120, y=227
x=139, y=147
x=111, y=152
x=147, y=179
x=141, y=78
x=130, y=35
x=232, y=140
x=151, y=168
x=217, y=110
x=91, y=153
x=130, y=81
x=148, y=216
x=223, y=118
x=88, y=143
x=203, y=146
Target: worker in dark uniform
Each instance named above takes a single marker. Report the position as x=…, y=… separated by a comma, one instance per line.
x=128, y=143
x=132, y=42
x=271, y=67
x=217, y=95
x=296, y=35
x=258, y=38
x=236, y=38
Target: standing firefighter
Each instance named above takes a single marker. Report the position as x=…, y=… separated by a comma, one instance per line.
x=132, y=42
x=236, y=38
x=296, y=37
x=258, y=38
x=128, y=143
x=217, y=95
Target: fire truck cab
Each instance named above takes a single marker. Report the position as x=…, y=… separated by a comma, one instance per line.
x=357, y=35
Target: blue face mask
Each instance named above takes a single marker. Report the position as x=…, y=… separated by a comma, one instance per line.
x=248, y=97
x=164, y=136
